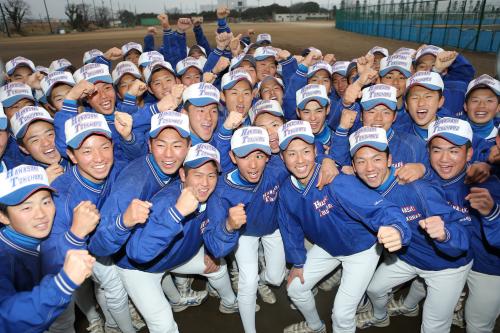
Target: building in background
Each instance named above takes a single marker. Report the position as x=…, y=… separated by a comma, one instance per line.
x=289, y=17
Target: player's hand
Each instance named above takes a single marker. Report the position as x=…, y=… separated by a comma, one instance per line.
x=209, y=77
x=390, y=237
x=250, y=32
x=477, y=173
x=351, y=95
x=222, y=12
x=113, y=53
x=187, y=202
x=78, y=265
x=123, y=124
x=347, y=169
x=327, y=173
x=348, y=116
x=367, y=77
x=494, y=157
x=295, y=273
x=177, y=91
x=410, y=172
x=364, y=63
x=330, y=58
x=85, y=219
x=444, y=60
x=137, y=213
x=81, y=90
x=138, y=88
x=313, y=57
x=183, y=24
x=211, y=264
x=167, y=103
x=221, y=65
x=236, y=217
x=480, y=199
x=165, y=23
x=152, y=31
x=34, y=80
x=282, y=55
x=233, y=120
x=223, y=39
x=434, y=226
x=197, y=20
x=54, y=171
x=235, y=45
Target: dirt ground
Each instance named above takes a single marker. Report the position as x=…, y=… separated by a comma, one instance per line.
x=292, y=36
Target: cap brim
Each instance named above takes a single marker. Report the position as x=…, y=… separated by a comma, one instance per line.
x=309, y=75
x=244, y=151
x=184, y=70
x=156, y=132
x=271, y=112
x=202, y=101
x=22, y=131
x=21, y=195
x=3, y=123
x=425, y=85
x=16, y=98
x=404, y=71
x=482, y=86
x=76, y=142
x=306, y=138
x=200, y=161
x=373, y=103
x=322, y=101
x=231, y=84
x=455, y=139
x=22, y=64
x=263, y=57
x=375, y=145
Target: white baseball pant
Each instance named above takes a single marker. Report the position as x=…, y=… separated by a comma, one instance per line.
x=482, y=307
x=357, y=271
x=443, y=291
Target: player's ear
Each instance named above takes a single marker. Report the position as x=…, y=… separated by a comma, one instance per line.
x=389, y=160
x=328, y=109
x=4, y=219
x=24, y=150
x=223, y=96
x=182, y=175
x=470, y=151
x=233, y=158
x=71, y=156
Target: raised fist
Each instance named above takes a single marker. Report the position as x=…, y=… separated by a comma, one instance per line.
x=152, y=31
x=78, y=265
x=183, y=24
x=233, y=120
x=444, y=60
x=163, y=18
x=81, y=90
x=138, y=88
x=187, y=202
x=434, y=227
x=137, y=213
x=347, y=118
x=113, y=53
x=221, y=65
x=54, y=171
x=85, y=219
x=390, y=237
x=237, y=217
x=222, y=12
x=123, y=125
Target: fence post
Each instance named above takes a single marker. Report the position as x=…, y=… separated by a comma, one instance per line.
x=421, y=19
x=411, y=19
x=433, y=19
x=481, y=17
x=493, y=34
x=462, y=22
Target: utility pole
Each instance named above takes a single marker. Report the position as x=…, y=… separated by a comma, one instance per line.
x=48, y=18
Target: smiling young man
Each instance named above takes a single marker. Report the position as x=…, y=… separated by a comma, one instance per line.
x=343, y=221
x=34, y=131
x=271, y=88
x=190, y=70
x=19, y=69
x=172, y=241
x=29, y=298
x=55, y=86
x=438, y=252
x=129, y=87
x=237, y=93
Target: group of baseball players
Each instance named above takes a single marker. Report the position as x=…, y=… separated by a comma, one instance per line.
x=122, y=179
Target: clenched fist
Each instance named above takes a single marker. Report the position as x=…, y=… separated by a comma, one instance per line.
x=233, y=120
x=123, y=125
x=390, y=237
x=81, y=90
x=113, y=53
x=237, y=217
x=444, y=60
x=54, y=171
x=78, y=265
x=434, y=226
x=187, y=202
x=85, y=219
x=163, y=18
x=138, y=88
x=137, y=213
x=347, y=118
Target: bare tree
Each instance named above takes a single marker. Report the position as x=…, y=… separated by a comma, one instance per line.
x=78, y=16
x=16, y=10
x=71, y=12
x=102, y=17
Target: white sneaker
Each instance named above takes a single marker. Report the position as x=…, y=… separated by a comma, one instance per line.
x=190, y=298
x=233, y=308
x=183, y=285
x=211, y=291
x=96, y=326
x=137, y=320
x=303, y=328
x=332, y=282
x=364, y=306
x=368, y=319
x=266, y=294
x=109, y=329
x=396, y=307
x=458, y=318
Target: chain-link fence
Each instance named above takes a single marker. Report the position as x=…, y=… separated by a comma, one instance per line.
x=464, y=24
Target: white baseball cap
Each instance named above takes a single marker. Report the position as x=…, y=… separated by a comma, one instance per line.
x=238, y=60
x=340, y=67
x=398, y=62
x=316, y=92
x=131, y=46
x=23, y=118
x=378, y=49
x=196, y=47
x=263, y=38
x=53, y=78
x=125, y=67
x=17, y=184
x=264, y=52
x=379, y=94
x=295, y=129
x=183, y=65
x=248, y=139
x=13, y=92
x=455, y=130
x=269, y=78
x=42, y=69
x=93, y=73
x=429, y=49
x=429, y=80
x=374, y=137
x=83, y=125
x=230, y=79
x=320, y=65
x=90, y=55
x=3, y=119
x=176, y=120
x=148, y=57
x=12, y=64
x=201, y=94
x=200, y=154
x=406, y=51
x=154, y=66
x=60, y=65
x=262, y=106
x=484, y=81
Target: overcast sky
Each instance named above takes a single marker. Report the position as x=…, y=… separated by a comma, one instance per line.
x=56, y=7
